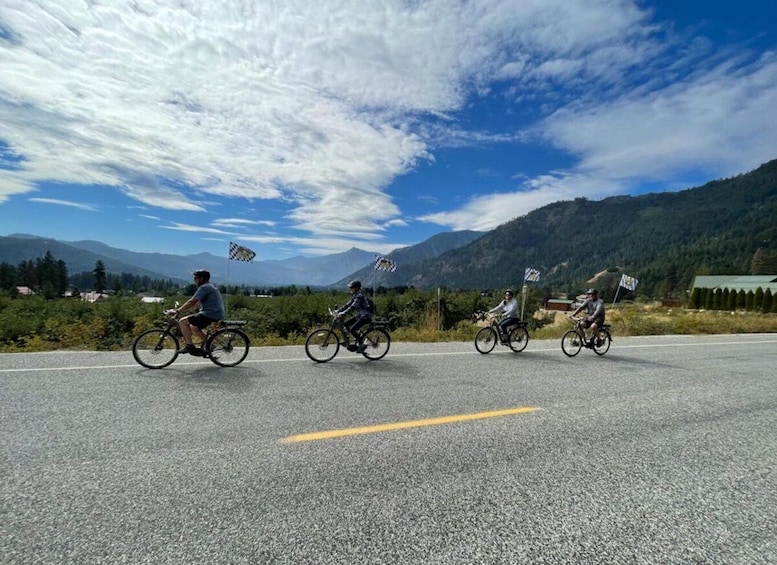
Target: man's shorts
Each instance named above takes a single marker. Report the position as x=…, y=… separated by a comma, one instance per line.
x=599, y=322
x=200, y=320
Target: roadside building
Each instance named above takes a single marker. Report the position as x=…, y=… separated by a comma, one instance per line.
x=736, y=282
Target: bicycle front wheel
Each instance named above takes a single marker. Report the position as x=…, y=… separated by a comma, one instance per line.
x=155, y=349
x=322, y=345
x=485, y=340
x=519, y=339
x=227, y=347
x=605, y=346
x=377, y=342
x=571, y=343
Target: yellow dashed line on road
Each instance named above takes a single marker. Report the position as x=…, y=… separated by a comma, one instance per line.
x=330, y=434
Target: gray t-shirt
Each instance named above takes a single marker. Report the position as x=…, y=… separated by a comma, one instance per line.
x=211, y=304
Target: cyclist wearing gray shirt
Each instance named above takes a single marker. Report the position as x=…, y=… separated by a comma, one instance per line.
x=211, y=310
x=594, y=308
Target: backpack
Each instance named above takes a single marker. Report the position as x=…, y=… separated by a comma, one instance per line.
x=370, y=306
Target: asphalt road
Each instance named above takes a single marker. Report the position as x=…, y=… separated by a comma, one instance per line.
x=662, y=451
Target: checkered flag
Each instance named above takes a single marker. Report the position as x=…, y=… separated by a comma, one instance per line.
x=384, y=264
x=531, y=275
x=629, y=283
x=240, y=253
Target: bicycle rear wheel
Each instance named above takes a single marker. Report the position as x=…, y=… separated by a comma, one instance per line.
x=377, y=342
x=227, y=347
x=322, y=345
x=485, y=340
x=571, y=343
x=519, y=339
x=605, y=346
x=155, y=349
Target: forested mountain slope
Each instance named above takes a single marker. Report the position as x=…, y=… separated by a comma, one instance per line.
x=427, y=249
x=662, y=239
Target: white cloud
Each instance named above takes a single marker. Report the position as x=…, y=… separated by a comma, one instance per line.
x=321, y=105
x=176, y=226
x=715, y=122
x=240, y=223
x=57, y=202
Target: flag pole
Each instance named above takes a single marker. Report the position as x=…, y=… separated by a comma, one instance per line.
x=238, y=253
x=374, y=282
x=226, y=287
x=524, y=292
x=439, y=321
x=617, y=290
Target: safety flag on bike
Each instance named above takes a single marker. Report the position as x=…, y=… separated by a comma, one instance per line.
x=384, y=264
x=629, y=283
x=240, y=253
x=531, y=275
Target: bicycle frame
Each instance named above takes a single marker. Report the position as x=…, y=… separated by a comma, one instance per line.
x=577, y=338
x=323, y=344
x=488, y=336
x=225, y=344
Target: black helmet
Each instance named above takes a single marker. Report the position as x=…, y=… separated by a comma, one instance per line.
x=509, y=291
x=592, y=291
x=355, y=284
x=202, y=273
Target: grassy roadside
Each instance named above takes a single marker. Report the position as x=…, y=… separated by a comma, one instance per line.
x=629, y=320
x=85, y=332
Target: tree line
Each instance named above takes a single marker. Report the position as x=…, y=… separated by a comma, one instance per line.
x=759, y=300
x=49, y=278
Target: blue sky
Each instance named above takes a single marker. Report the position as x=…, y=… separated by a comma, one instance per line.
x=308, y=127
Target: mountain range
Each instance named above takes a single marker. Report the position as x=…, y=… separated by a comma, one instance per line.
x=322, y=271
x=727, y=226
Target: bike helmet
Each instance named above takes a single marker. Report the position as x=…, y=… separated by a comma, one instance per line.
x=202, y=273
x=592, y=291
x=355, y=284
x=509, y=291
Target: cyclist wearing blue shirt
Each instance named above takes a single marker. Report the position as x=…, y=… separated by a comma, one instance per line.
x=211, y=310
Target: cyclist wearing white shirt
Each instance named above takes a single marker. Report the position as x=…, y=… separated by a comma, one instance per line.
x=509, y=310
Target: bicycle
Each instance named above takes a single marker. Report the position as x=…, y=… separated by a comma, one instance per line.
x=575, y=339
x=225, y=344
x=487, y=337
x=322, y=344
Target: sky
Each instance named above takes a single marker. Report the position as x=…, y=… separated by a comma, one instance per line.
x=307, y=127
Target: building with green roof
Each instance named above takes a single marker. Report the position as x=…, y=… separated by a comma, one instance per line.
x=736, y=282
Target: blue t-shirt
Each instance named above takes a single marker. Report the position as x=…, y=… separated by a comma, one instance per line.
x=211, y=304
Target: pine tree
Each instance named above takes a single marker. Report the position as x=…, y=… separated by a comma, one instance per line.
x=100, y=281
x=766, y=304
x=732, y=300
x=758, y=300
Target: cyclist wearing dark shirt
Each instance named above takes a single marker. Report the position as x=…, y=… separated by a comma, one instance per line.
x=358, y=304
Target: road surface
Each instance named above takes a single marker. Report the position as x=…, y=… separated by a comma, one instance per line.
x=662, y=451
